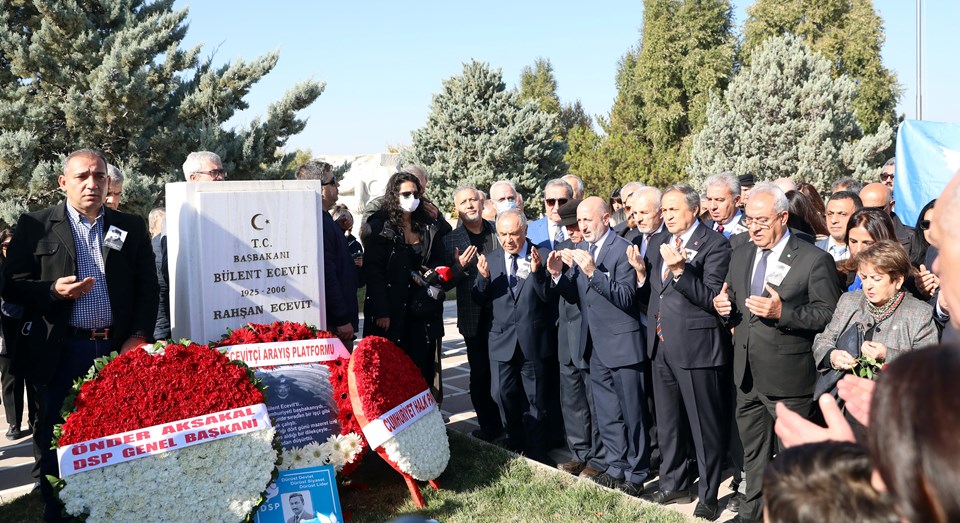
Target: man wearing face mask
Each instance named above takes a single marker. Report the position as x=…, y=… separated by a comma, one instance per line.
x=402, y=243
x=504, y=196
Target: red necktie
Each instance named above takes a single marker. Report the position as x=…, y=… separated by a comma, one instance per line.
x=720, y=228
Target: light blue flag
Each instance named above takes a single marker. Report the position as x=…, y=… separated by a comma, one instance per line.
x=928, y=155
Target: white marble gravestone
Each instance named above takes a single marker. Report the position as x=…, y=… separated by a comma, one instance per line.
x=243, y=252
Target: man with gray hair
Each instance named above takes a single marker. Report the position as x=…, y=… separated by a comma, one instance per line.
x=779, y=292
x=888, y=171
x=847, y=184
x=723, y=202
x=627, y=229
x=114, y=187
x=203, y=166
x=576, y=183
x=546, y=232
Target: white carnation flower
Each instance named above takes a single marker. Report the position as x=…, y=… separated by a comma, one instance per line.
x=422, y=449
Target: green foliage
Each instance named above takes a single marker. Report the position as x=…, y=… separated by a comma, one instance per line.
x=111, y=75
x=663, y=86
x=786, y=115
x=478, y=132
x=538, y=84
x=849, y=33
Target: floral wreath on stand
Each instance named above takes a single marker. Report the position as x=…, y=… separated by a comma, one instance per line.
x=398, y=414
x=153, y=428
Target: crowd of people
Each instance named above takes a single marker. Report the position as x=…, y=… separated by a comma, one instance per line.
x=660, y=331
x=672, y=332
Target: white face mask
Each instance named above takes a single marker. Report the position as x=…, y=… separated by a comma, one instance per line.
x=505, y=205
x=409, y=204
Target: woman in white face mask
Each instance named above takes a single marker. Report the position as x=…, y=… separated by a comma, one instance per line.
x=402, y=243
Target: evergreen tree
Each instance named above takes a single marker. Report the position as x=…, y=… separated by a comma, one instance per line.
x=538, y=84
x=478, y=132
x=110, y=74
x=663, y=86
x=849, y=33
x=786, y=115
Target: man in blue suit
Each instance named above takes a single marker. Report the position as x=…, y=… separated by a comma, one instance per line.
x=547, y=232
x=600, y=279
x=689, y=347
x=513, y=282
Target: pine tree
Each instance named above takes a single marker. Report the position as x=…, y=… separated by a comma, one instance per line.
x=849, y=33
x=538, y=84
x=478, y=132
x=110, y=74
x=663, y=86
x=786, y=115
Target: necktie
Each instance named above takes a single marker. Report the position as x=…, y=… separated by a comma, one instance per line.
x=720, y=228
x=512, y=279
x=644, y=243
x=678, y=243
x=592, y=249
x=756, y=286
x=558, y=237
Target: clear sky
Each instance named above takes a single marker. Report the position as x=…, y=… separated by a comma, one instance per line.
x=382, y=61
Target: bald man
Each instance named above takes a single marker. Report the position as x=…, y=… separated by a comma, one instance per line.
x=599, y=278
x=880, y=196
x=945, y=236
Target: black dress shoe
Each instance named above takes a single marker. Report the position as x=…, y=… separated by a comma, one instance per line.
x=632, y=489
x=13, y=433
x=605, y=480
x=707, y=511
x=669, y=497
x=733, y=504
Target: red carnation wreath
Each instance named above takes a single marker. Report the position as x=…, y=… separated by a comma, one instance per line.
x=288, y=331
x=397, y=411
x=143, y=427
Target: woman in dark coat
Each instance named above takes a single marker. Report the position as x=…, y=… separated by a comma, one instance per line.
x=402, y=242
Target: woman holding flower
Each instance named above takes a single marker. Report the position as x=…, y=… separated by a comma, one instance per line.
x=890, y=320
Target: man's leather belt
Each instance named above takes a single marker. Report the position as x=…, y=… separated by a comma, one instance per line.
x=91, y=334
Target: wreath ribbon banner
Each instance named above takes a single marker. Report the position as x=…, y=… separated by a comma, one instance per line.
x=288, y=352
x=157, y=439
x=397, y=419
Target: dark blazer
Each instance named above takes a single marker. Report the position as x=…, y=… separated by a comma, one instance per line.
x=779, y=351
x=470, y=311
x=526, y=320
x=159, y=245
x=609, y=306
x=340, y=278
x=569, y=325
x=686, y=305
x=388, y=275
x=43, y=251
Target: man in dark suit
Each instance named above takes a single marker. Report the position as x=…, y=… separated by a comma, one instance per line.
x=576, y=399
x=512, y=281
x=689, y=347
x=599, y=278
x=84, y=297
x=723, y=200
x=779, y=293
x=879, y=196
x=474, y=236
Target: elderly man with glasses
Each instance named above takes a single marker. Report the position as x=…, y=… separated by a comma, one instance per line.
x=203, y=166
x=546, y=232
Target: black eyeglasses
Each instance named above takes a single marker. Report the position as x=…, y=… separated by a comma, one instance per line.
x=924, y=224
x=886, y=176
x=556, y=201
x=333, y=181
x=407, y=194
x=213, y=173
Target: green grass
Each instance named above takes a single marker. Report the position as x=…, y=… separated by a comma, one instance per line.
x=482, y=483
x=485, y=483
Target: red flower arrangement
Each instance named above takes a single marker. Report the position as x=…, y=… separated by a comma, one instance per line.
x=382, y=377
x=289, y=331
x=181, y=383
x=378, y=362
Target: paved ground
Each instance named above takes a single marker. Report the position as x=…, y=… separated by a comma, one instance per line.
x=16, y=458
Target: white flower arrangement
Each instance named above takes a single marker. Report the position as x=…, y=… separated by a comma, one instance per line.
x=220, y=480
x=422, y=449
x=338, y=450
